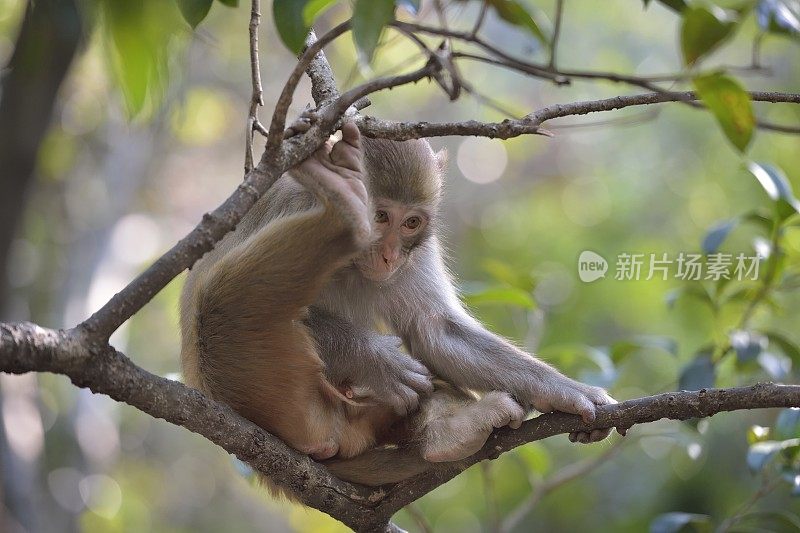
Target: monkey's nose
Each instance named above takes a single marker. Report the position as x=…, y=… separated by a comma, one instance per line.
x=390, y=258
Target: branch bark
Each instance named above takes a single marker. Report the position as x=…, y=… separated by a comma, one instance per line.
x=26, y=347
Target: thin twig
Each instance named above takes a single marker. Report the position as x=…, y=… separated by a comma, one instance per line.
x=480, y=19
x=257, y=97
x=439, y=8
x=755, y=60
x=556, y=34
x=767, y=486
x=278, y=122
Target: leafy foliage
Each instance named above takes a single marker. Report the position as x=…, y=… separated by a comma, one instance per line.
x=140, y=36
x=369, y=19
x=514, y=12
x=730, y=104
x=703, y=30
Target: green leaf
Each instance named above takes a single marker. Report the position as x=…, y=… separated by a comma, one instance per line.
x=681, y=522
x=369, y=19
x=194, y=11
x=787, y=426
x=139, y=37
x=315, y=8
x=759, y=218
x=777, y=186
x=501, y=296
x=412, y=6
x=675, y=5
x=703, y=30
x=696, y=291
x=717, y=234
x=731, y=106
x=290, y=23
x=513, y=12
x=700, y=373
x=229, y=3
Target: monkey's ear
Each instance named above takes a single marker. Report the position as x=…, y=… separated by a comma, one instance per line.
x=441, y=160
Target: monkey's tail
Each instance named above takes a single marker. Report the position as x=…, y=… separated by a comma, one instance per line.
x=379, y=466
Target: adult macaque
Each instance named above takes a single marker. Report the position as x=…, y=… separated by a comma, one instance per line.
x=279, y=321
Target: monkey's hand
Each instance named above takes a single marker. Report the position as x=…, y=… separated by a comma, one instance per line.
x=387, y=375
x=557, y=392
x=334, y=173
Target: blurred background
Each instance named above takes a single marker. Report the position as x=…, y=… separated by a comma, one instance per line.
x=126, y=168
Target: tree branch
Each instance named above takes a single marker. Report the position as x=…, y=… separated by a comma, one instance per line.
x=682, y=405
x=27, y=347
x=401, y=131
x=257, y=98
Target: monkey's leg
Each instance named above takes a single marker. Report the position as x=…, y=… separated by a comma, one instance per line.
x=254, y=353
x=454, y=430
x=450, y=426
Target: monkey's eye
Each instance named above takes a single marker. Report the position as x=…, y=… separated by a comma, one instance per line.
x=412, y=223
x=381, y=217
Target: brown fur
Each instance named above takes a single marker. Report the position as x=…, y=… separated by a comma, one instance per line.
x=245, y=344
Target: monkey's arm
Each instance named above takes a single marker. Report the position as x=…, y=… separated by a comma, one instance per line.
x=440, y=332
x=373, y=365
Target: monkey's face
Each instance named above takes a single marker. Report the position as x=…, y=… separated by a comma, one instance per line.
x=399, y=228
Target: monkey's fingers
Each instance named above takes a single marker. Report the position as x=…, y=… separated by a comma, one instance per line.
x=584, y=437
x=351, y=135
x=582, y=406
x=421, y=383
x=404, y=399
x=347, y=152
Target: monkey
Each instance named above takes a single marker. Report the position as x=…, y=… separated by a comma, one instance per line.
x=279, y=322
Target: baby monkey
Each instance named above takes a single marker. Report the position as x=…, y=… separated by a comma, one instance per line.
x=279, y=321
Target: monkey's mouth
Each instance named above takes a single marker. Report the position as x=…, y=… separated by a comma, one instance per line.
x=365, y=266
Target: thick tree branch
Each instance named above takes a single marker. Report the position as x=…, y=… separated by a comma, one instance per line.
x=29, y=348
x=97, y=366
x=323, y=83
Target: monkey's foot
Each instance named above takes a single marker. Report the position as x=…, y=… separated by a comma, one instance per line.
x=335, y=175
x=463, y=433
x=322, y=451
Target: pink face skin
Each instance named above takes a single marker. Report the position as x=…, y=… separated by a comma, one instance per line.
x=397, y=227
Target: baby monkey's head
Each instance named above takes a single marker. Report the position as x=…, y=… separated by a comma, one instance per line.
x=404, y=180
